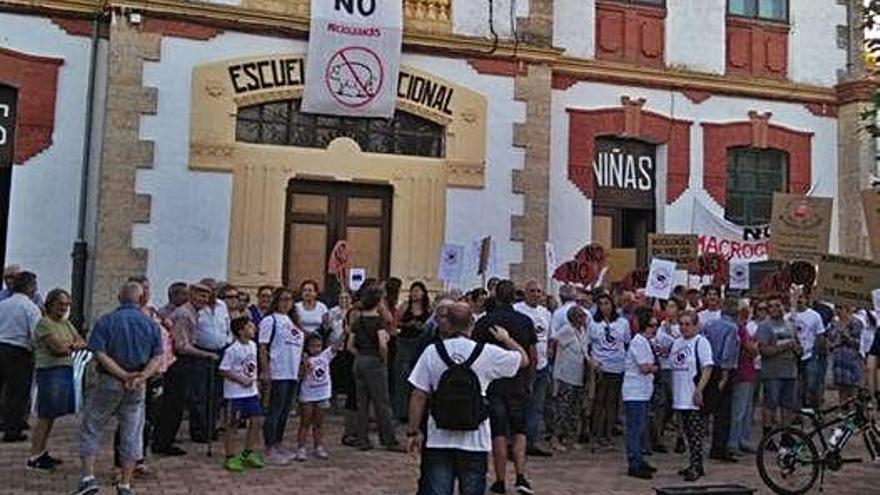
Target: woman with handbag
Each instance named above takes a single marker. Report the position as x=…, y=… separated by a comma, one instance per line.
x=570, y=369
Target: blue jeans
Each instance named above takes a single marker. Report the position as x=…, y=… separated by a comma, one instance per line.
x=742, y=410
x=441, y=467
x=535, y=410
x=281, y=397
x=636, y=412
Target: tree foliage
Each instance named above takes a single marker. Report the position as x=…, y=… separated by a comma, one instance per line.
x=871, y=56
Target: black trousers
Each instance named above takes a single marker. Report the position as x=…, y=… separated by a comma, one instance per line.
x=205, y=398
x=718, y=403
x=175, y=390
x=16, y=373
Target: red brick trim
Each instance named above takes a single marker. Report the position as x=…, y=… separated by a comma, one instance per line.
x=757, y=133
x=859, y=90
x=629, y=121
x=179, y=29
x=696, y=96
x=563, y=81
x=73, y=27
x=821, y=109
x=498, y=67
x=37, y=81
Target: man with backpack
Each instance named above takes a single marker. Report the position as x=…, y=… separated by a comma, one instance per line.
x=450, y=379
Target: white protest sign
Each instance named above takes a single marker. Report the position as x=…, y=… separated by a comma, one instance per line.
x=875, y=295
x=717, y=235
x=356, y=277
x=661, y=279
x=451, y=264
x=738, y=279
x=354, y=57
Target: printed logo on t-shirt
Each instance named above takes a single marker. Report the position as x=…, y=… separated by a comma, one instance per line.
x=681, y=357
x=609, y=342
x=248, y=366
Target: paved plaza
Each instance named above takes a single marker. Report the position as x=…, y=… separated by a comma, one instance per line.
x=350, y=472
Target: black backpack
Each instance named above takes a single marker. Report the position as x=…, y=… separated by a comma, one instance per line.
x=458, y=403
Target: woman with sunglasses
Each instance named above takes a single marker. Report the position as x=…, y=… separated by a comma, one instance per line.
x=638, y=386
x=609, y=336
x=230, y=295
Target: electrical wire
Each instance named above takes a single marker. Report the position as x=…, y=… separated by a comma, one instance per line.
x=492, y=27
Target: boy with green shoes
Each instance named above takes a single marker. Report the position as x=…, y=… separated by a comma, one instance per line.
x=239, y=370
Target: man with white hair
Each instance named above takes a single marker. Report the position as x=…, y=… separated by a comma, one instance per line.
x=128, y=349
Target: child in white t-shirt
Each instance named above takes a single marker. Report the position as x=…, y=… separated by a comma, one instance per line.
x=239, y=370
x=314, y=395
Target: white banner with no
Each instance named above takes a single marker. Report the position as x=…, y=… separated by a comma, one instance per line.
x=354, y=57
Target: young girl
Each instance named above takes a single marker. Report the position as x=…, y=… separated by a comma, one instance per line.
x=239, y=370
x=314, y=396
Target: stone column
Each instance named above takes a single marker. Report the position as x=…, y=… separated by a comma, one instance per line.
x=119, y=207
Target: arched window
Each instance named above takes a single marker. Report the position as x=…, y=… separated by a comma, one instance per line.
x=282, y=123
x=753, y=175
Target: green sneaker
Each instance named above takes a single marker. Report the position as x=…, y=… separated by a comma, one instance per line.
x=254, y=460
x=234, y=464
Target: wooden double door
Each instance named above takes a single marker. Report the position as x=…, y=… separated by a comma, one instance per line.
x=319, y=214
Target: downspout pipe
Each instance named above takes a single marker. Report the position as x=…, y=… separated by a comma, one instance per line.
x=80, y=254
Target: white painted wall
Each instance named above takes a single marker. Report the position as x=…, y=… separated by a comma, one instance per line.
x=695, y=38
x=471, y=17
x=573, y=27
x=814, y=57
x=570, y=211
x=474, y=214
x=45, y=190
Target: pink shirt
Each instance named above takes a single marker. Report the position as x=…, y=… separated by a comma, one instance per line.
x=745, y=371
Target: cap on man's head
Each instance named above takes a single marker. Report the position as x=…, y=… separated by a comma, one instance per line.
x=199, y=286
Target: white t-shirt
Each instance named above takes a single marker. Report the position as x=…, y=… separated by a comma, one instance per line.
x=560, y=318
x=541, y=319
x=316, y=385
x=707, y=315
x=808, y=324
x=684, y=369
x=240, y=359
x=573, y=347
x=752, y=328
x=493, y=363
x=311, y=320
x=666, y=335
x=638, y=386
x=285, y=350
x=609, y=344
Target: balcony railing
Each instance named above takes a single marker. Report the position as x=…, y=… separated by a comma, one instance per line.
x=432, y=16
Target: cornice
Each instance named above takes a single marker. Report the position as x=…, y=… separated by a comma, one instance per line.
x=567, y=70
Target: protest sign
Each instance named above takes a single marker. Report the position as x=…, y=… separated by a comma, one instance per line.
x=875, y=295
x=356, y=278
x=585, y=268
x=354, y=57
x=844, y=280
x=735, y=242
x=871, y=203
x=738, y=279
x=451, y=264
x=801, y=227
x=661, y=279
x=680, y=248
x=485, y=253
x=620, y=263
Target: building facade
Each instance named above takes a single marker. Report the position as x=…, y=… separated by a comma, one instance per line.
x=167, y=138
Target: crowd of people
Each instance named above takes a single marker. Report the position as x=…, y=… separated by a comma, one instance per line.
x=506, y=369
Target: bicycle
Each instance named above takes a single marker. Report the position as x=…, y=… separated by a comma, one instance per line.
x=794, y=454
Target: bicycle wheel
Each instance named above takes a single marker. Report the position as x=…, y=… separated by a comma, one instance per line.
x=788, y=461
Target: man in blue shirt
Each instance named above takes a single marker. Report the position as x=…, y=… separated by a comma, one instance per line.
x=128, y=349
x=723, y=336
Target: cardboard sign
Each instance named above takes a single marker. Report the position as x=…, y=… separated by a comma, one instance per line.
x=680, y=248
x=620, y=263
x=844, y=280
x=661, y=279
x=8, y=100
x=451, y=264
x=871, y=203
x=354, y=57
x=801, y=227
